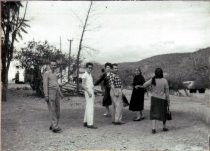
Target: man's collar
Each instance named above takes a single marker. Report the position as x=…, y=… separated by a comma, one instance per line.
x=88, y=73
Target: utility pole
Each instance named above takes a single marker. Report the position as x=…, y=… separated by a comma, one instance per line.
x=70, y=41
x=60, y=43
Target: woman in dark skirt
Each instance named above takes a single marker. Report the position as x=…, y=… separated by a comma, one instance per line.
x=105, y=80
x=137, y=97
x=159, y=99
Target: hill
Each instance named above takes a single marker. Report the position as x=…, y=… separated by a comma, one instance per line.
x=177, y=67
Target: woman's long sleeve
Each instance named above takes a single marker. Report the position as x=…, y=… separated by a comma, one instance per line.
x=100, y=79
x=167, y=91
x=148, y=83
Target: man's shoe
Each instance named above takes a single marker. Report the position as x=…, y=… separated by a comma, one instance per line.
x=91, y=126
x=142, y=118
x=85, y=124
x=50, y=128
x=153, y=131
x=139, y=119
x=119, y=123
x=165, y=129
x=57, y=130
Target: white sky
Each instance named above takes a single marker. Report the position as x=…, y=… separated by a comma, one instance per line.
x=130, y=31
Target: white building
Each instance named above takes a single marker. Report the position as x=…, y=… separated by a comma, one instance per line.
x=13, y=70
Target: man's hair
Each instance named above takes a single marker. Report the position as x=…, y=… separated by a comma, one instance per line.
x=53, y=60
x=89, y=64
x=108, y=64
x=114, y=64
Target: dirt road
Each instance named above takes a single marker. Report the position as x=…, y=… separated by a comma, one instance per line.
x=25, y=123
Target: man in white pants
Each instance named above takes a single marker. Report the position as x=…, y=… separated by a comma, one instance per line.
x=87, y=83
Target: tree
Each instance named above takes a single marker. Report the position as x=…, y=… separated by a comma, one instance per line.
x=193, y=68
x=81, y=46
x=12, y=25
x=200, y=66
x=35, y=55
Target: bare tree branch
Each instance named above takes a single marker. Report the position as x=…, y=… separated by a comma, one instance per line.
x=90, y=48
x=80, y=20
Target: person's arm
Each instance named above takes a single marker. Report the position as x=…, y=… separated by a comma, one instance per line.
x=135, y=86
x=45, y=85
x=61, y=94
x=167, y=92
x=84, y=86
x=100, y=79
x=146, y=84
x=143, y=81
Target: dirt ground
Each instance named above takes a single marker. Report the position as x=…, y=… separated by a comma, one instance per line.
x=25, y=123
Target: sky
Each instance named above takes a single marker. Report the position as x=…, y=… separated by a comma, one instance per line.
x=121, y=31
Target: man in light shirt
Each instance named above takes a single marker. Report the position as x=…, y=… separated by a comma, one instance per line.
x=87, y=83
x=52, y=96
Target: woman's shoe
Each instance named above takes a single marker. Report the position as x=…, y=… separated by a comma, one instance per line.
x=165, y=129
x=107, y=114
x=58, y=130
x=142, y=118
x=119, y=123
x=153, y=131
x=138, y=119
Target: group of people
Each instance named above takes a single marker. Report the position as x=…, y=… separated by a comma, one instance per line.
x=112, y=96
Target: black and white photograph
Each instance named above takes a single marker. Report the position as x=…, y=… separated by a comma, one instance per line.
x=105, y=75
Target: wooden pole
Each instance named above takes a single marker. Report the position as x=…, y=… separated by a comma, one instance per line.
x=70, y=41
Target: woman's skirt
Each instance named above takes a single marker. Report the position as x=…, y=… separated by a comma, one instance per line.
x=137, y=100
x=107, y=98
x=158, y=109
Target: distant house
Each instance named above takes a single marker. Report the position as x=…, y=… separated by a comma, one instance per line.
x=14, y=70
x=72, y=77
x=81, y=72
x=189, y=84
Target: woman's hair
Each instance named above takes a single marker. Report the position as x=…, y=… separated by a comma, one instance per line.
x=158, y=75
x=140, y=73
x=108, y=64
